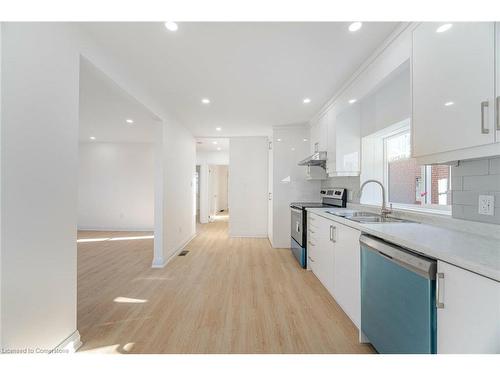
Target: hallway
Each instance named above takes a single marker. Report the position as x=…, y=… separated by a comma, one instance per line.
x=227, y=295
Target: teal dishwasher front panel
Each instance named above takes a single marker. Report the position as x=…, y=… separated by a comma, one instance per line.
x=398, y=314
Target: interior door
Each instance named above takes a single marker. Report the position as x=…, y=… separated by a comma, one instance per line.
x=453, y=69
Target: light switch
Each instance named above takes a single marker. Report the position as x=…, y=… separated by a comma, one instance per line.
x=486, y=205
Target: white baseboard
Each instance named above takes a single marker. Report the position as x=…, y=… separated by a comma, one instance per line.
x=248, y=235
x=70, y=345
x=100, y=229
x=161, y=263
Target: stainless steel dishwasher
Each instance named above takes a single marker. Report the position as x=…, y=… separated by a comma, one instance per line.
x=398, y=288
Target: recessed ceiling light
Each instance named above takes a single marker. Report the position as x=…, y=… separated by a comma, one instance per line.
x=92, y=138
x=352, y=101
x=355, y=26
x=306, y=101
x=443, y=28
x=205, y=101
x=218, y=129
x=171, y=26
x=305, y=139
x=218, y=148
x=129, y=121
x=447, y=104
x=279, y=140
x=214, y=142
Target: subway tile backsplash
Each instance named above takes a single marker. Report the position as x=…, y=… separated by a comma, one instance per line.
x=470, y=179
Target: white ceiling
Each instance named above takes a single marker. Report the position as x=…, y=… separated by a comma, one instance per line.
x=207, y=144
x=104, y=107
x=255, y=74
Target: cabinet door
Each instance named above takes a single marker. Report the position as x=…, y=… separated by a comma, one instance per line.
x=331, y=142
x=497, y=98
x=348, y=141
x=453, y=86
x=323, y=254
x=314, y=137
x=346, y=271
x=323, y=132
x=469, y=319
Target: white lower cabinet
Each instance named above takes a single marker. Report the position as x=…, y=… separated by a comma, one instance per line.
x=333, y=251
x=321, y=259
x=468, y=321
x=346, y=271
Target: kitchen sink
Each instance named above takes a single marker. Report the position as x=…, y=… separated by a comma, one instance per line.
x=366, y=217
x=376, y=219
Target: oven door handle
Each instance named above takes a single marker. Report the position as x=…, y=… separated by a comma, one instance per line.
x=297, y=227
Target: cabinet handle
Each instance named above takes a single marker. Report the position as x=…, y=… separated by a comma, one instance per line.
x=333, y=231
x=483, y=106
x=308, y=257
x=297, y=227
x=498, y=112
x=439, y=287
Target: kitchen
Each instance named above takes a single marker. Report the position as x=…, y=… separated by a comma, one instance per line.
x=409, y=261
x=303, y=188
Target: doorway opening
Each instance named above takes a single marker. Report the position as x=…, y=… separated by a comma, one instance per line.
x=212, y=167
x=120, y=155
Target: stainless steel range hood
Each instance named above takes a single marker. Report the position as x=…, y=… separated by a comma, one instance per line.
x=317, y=159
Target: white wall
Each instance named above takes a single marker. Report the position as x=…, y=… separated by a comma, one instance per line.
x=289, y=179
x=179, y=192
x=40, y=70
x=116, y=186
x=40, y=85
x=212, y=157
x=248, y=189
x=387, y=105
x=1, y=176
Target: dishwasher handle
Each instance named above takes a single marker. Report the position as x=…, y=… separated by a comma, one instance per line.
x=414, y=262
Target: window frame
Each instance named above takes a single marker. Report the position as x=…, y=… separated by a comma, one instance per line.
x=427, y=170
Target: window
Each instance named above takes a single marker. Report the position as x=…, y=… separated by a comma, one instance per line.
x=408, y=184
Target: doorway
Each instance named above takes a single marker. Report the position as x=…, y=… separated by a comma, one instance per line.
x=212, y=162
x=217, y=195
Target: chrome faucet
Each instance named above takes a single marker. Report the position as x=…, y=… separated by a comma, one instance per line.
x=384, y=210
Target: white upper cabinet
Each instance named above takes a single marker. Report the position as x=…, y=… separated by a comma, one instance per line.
x=344, y=141
x=497, y=98
x=319, y=133
x=453, y=87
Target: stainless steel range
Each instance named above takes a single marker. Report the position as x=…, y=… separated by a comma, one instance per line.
x=335, y=197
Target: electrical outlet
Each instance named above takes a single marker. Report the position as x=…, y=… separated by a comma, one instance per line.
x=486, y=205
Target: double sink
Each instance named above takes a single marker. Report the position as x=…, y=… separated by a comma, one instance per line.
x=366, y=217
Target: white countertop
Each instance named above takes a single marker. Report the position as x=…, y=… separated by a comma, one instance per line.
x=472, y=252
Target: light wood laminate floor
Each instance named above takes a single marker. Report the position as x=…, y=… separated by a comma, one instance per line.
x=228, y=295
